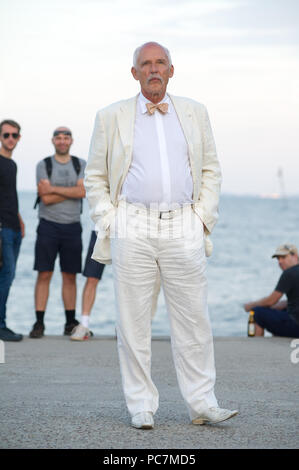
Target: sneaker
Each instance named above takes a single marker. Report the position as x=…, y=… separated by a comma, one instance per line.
x=68, y=327
x=80, y=333
x=214, y=415
x=37, y=330
x=143, y=420
x=8, y=335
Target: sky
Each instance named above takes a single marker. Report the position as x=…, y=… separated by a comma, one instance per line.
x=62, y=60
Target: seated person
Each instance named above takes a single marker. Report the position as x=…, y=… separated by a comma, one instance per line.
x=281, y=318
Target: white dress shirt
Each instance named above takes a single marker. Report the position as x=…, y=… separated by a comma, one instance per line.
x=160, y=172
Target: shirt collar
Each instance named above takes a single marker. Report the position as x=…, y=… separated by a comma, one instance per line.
x=143, y=100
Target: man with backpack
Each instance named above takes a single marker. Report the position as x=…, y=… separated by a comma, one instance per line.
x=60, y=192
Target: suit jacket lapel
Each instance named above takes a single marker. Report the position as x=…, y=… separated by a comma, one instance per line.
x=185, y=116
x=126, y=121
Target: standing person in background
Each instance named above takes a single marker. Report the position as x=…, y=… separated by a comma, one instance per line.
x=153, y=168
x=93, y=272
x=60, y=189
x=12, y=228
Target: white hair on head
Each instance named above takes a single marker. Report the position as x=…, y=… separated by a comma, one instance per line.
x=137, y=52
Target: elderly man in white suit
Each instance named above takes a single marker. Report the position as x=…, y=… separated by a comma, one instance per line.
x=153, y=183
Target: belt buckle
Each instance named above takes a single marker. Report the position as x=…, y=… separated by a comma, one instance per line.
x=169, y=215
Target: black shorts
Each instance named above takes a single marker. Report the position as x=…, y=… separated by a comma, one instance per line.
x=278, y=322
x=54, y=238
x=92, y=268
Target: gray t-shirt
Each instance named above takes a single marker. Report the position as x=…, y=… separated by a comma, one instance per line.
x=63, y=174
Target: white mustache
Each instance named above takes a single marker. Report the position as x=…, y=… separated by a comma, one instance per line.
x=154, y=76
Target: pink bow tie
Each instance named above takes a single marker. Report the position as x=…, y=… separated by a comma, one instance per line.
x=162, y=107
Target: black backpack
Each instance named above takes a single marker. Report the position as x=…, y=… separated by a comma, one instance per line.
x=48, y=163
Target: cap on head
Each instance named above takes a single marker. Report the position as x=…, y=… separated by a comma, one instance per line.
x=62, y=130
x=284, y=250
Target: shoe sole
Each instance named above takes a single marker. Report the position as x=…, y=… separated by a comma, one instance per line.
x=37, y=336
x=70, y=334
x=144, y=426
x=206, y=421
x=80, y=339
x=13, y=340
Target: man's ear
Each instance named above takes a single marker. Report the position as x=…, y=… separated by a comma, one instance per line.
x=134, y=73
x=171, y=72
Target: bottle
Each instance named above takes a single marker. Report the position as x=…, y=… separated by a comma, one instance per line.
x=251, y=324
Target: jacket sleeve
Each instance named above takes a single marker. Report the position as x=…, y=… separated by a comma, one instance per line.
x=210, y=178
x=96, y=179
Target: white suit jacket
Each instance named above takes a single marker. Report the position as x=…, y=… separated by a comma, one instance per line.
x=110, y=157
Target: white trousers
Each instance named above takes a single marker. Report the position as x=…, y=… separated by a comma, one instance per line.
x=143, y=246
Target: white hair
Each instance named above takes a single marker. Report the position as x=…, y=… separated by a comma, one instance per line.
x=137, y=52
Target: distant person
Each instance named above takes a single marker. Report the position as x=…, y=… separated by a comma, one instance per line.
x=12, y=228
x=60, y=188
x=93, y=272
x=281, y=318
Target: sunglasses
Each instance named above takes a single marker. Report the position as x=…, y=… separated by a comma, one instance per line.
x=62, y=132
x=15, y=135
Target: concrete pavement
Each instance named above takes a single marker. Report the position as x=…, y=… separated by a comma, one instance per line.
x=60, y=394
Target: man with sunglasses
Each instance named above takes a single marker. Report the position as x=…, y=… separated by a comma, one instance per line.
x=59, y=229
x=280, y=317
x=12, y=228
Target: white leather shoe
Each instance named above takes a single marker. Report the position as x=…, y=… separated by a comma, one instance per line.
x=143, y=420
x=214, y=415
